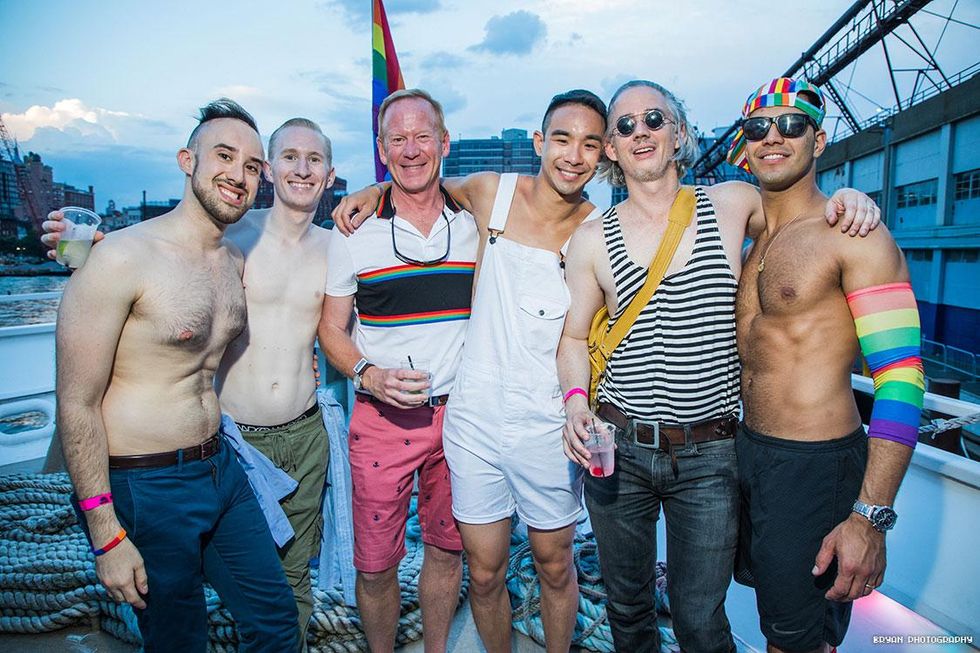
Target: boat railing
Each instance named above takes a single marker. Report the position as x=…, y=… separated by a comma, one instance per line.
x=954, y=358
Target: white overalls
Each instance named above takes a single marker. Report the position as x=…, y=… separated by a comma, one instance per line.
x=502, y=431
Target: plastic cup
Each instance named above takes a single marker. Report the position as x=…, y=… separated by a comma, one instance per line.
x=418, y=365
x=602, y=445
x=76, y=239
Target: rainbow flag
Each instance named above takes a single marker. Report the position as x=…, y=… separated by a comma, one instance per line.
x=387, y=77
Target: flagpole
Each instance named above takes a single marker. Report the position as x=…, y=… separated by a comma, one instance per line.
x=386, y=76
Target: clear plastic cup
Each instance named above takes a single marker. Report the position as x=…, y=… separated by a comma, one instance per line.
x=602, y=445
x=76, y=239
x=418, y=365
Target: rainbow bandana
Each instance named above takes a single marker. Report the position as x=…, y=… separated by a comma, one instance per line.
x=780, y=92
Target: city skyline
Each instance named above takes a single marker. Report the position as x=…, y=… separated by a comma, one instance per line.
x=107, y=92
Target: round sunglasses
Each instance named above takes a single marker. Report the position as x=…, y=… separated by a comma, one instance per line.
x=654, y=119
x=790, y=125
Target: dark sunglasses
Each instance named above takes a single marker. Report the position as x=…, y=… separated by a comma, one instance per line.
x=654, y=119
x=425, y=264
x=790, y=125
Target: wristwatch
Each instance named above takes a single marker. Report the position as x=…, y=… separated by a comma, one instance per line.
x=359, y=368
x=882, y=518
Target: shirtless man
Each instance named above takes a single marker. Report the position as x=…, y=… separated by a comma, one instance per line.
x=141, y=330
x=671, y=386
x=265, y=380
x=503, y=423
x=817, y=493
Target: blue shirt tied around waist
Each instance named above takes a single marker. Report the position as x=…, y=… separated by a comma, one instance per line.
x=337, y=546
x=269, y=483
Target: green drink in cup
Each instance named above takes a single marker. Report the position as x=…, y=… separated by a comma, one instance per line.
x=76, y=239
x=418, y=365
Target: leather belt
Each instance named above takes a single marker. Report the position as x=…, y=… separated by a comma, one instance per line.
x=201, y=451
x=432, y=402
x=664, y=436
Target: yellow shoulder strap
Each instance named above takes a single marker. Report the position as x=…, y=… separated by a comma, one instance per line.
x=678, y=220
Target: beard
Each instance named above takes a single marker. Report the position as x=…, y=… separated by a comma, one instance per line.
x=209, y=198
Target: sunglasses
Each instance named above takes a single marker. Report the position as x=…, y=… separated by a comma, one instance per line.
x=425, y=264
x=790, y=125
x=654, y=119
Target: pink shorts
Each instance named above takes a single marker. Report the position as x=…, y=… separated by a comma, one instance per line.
x=388, y=446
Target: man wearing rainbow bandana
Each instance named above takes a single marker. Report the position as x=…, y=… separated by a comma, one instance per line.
x=816, y=491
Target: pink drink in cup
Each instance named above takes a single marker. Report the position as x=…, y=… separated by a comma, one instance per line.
x=602, y=445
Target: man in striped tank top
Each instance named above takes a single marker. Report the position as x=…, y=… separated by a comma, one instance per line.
x=672, y=385
x=817, y=492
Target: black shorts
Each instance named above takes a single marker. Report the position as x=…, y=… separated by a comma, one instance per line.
x=793, y=494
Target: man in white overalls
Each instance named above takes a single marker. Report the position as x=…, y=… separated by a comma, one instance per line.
x=503, y=424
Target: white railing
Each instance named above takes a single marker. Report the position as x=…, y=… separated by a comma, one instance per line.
x=932, y=552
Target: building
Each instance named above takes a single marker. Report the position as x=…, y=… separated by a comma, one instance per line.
x=331, y=196
x=9, y=197
x=512, y=151
x=922, y=166
x=68, y=195
x=46, y=193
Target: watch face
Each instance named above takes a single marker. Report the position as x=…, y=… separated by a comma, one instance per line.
x=884, y=519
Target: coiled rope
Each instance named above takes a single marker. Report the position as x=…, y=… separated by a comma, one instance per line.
x=48, y=580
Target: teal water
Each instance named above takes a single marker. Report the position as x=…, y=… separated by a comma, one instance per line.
x=35, y=311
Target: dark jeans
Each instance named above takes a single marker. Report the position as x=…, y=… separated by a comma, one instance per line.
x=701, y=507
x=195, y=521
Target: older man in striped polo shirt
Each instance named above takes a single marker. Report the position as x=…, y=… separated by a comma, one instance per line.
x=409, y=278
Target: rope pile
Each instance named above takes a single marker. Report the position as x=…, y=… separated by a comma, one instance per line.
x=48, y=581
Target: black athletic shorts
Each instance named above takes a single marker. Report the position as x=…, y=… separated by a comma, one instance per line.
x=793, y=494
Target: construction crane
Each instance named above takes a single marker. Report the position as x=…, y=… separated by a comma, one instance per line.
x=25, y=187
x=864, y=24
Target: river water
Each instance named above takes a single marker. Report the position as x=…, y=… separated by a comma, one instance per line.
x=34, y=311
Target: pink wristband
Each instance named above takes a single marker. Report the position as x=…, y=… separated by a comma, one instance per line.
x=94, y=502
x=575, y=391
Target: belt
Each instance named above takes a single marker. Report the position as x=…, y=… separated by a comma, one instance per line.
x=431, y=402
x=665, y=437
x=310, y=412
x=201, y=451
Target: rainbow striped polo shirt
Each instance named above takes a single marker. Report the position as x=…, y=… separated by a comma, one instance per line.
x=405, y=309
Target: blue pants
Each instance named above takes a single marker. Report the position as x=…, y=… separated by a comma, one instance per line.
x=701, y=506
x=195, y=521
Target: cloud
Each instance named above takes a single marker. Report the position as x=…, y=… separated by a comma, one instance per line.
x=447, y=95
x=514, y=33
x=610, y=85
x=359, y=11
x=70, y=124
x=442, y=61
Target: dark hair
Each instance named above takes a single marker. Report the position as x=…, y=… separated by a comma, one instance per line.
x=577, y=96
x=221, y=108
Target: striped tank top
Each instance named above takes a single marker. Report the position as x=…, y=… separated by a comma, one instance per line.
x=678, y=363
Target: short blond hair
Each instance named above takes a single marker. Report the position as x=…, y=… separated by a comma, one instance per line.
x=308, y=124
x=405, y=94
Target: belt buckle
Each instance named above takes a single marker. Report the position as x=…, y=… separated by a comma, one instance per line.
x=631, y=433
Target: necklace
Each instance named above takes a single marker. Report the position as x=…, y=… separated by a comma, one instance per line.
x=762, y=259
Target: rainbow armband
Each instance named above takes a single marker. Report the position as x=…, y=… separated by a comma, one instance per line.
x=887, y=322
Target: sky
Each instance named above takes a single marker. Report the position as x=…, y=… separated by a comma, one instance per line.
x=107, y=91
